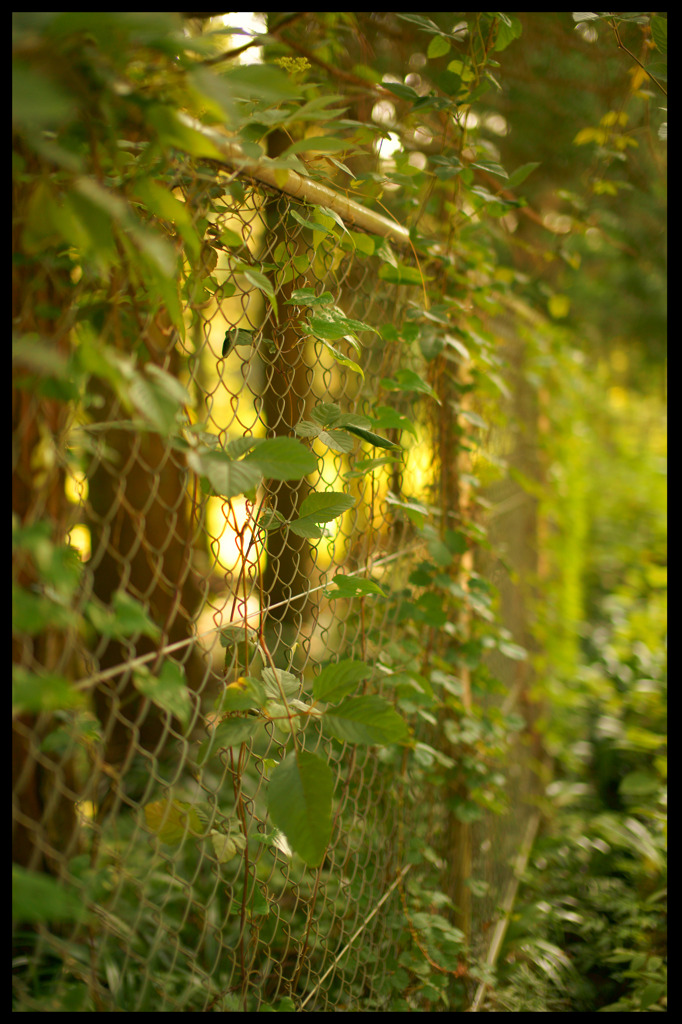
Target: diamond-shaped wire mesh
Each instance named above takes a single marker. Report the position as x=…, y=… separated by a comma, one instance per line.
x=111, y=794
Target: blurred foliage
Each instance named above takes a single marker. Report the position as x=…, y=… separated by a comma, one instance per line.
x=602, y=180
x=595, y=894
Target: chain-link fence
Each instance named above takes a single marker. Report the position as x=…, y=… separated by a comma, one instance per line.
x=249, y=483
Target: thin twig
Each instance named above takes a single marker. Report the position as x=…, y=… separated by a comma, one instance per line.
x=622, y=46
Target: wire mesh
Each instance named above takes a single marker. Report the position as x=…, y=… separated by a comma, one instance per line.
x=194, y=901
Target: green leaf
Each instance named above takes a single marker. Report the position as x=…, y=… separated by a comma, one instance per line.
x=300, y=803
x=126, y=617
x=230, y=733
x=352, y=419
x=326, y=414
x=290, y=717
x=164, y=205
x=508, y=30
x=440, y=553
x=32, y=613
x=337, y=440
x=429, y=608
x=366, y=720
x=492, y=168
x=343, y=360
x=512, y=651
x=456, y=541
x=271, y=519
x=415, y=512
x=48, y=692
x=304, y=428
x=403, y=92
x=172, y=820
x=340, y=678
x=521, y=173
x=243, y=694
x=639, y=784
x=438, y=47
x=307, y=223
x=226, y=476
x=37, y=897
x=347, y=586
x=282, y=458
x=232, y=239
x=401, y=274
x=364, y=244
x=651, y=994
x=307, y=527
x=374, y=439
x=38, y=100
x=314, y=110
x=234, y=338
x=168, y=690
x=659, y=69
x=264, y=82
x=320, y=507
x=323, y=506
x=426, y=24
x=259, y=281
x=408, y=380
x=472, y=417
x=233, y=634
x=225, y=846
x=174, y=132
x=83, y=222
x=659, y=32
x=279, y=681
x=462, y=69
x=327, y=330
x=159, y=398
x=308, y=297
x=334, y=326
x=240, y=446
x=385, y=416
